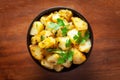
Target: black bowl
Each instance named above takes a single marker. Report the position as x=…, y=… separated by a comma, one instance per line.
x=48, y=11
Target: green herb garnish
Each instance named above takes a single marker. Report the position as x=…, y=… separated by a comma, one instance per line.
x=68, y=43
x=53, y=26
x=60, y=22
x=64, y=31
x=42, y=38
x=70, y=55
x=64, y=55
x=79, y=39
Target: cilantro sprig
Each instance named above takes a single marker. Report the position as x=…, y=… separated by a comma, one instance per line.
x=64, y=55
x=56, y=26
x=42, y=38
x=68, y=43
x=79, y=39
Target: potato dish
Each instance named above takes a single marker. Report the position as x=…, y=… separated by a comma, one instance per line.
x=59, y=40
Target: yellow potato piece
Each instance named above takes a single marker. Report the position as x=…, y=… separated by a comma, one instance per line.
x=35, y=39
x=47, y=64
x=62, y=42
x=55, y=16
x=36, y=52
x=46, y=33
x=78, y=57
x=53, y=58
x=58, y=68
x=47, y=43
x=45, y=19
x=71, y=34
x=67, y=14
x=36, y=28
x=85, y=47
x=67, y=64
x=79, y=23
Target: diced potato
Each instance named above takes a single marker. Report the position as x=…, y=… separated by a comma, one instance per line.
x=55, y=16
x=53, y=58
x=62, y=42
x=85, y=47
x=71, y=34
x=35, y=39
x=78, y=57
x=36, y=52
x=58, y=68
x=79, y=23
x=45, y=19
x=36, y=28
x=59, y=33
x=46, y=33
x=70, y=26
x=47, y=43
x=67, y=14
x=47, y=64
x=67, y=64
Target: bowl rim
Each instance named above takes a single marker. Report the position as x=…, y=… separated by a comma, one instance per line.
x=48, y=11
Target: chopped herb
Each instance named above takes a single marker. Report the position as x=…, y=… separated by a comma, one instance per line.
x=79, y=39
x=83, y=41
x=60, y=60
x=36, y=24
x=55, y=50
x=42, y=38
x=70, y=55
x=87, y=35
x=68, y=43
x=65, y=56
x=64, y=31
x=53, y=26
x=60, y=22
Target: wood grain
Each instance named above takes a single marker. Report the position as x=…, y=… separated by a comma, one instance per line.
x=17, y=64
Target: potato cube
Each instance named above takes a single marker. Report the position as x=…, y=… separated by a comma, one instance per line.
x=79, y=23
x=78, y=57
x=36, y=52
x=85, y=47
x=71, y=34
x=47, y=64
x=47, y=43
x=36, y=28
x=67, y=14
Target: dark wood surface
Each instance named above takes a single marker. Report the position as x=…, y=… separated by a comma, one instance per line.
x=17, y=64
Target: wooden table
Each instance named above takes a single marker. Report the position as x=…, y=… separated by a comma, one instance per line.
x=17, y=64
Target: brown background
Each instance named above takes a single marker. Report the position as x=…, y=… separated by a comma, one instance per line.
x=17, y=64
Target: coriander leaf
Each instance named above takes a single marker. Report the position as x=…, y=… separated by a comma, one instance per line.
x=65, y=56
x=75, y=37
x=60, y=22
x=53, y=26
x=78, y=38
x=68, y=43
x=60, y=61
x=64, y=31
x=85, y=38
x=83, y=41
x=55, y=50
x=42, y=38
x=87, y=35
x=70, y=55
x=50, y=50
